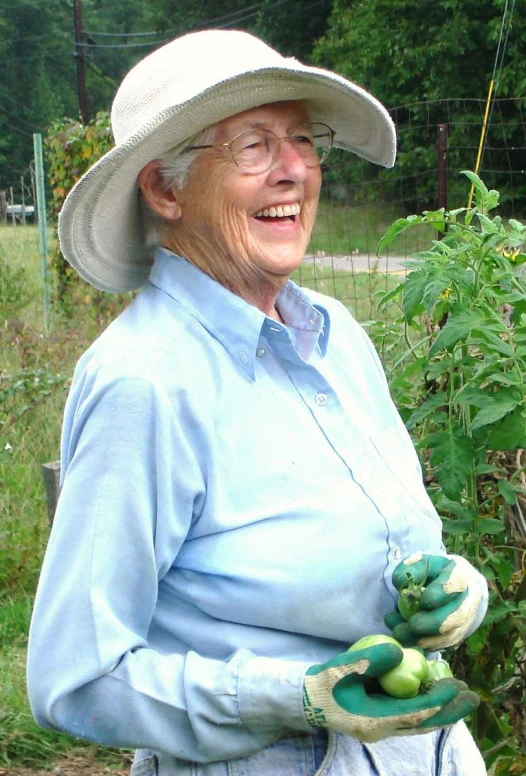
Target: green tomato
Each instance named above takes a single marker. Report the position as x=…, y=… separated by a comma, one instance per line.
x=409, y=599
x=370, y=641
x=404, y=681
x=408, y=603
x=436, y=670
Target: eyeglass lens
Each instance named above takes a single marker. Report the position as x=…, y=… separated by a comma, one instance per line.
x=255, y=150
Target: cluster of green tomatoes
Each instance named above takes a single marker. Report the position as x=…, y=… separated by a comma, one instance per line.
x=413, y=675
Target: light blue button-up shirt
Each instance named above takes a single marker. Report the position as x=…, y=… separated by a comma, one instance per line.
x=236, y=495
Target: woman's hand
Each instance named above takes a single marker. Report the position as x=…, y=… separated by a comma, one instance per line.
x=335, y=697
x=449, y=603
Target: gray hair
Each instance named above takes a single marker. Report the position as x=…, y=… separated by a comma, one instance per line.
x=174, y=170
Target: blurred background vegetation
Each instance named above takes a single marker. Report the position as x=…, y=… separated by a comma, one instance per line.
x=431, y=63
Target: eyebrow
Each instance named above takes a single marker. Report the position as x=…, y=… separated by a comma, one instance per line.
x=260, y=124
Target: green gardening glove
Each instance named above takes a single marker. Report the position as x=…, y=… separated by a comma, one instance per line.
x=449, y=605
x=335, y=697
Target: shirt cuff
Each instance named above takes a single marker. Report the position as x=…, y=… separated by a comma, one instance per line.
x=270, y=695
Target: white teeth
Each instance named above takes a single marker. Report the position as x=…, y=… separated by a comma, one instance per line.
x=280, y=211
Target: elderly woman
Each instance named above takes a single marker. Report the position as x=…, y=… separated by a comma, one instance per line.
x=238, y=489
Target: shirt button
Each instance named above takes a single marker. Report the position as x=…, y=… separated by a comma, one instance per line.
x=321, y=399
x=397, y=553
x=260, y=352
x=244, y=358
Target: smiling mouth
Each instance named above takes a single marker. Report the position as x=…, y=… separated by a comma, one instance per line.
x=288, y=212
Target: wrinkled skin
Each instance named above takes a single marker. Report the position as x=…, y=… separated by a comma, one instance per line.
x=212, y=220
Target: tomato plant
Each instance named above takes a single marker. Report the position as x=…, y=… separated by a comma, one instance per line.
x=459, y=382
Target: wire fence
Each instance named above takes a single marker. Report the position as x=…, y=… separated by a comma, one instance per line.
x=437, y=141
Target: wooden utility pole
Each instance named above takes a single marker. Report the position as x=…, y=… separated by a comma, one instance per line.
x=22, y=200
x=13, y=216
x=3, y=207
x=79, y=56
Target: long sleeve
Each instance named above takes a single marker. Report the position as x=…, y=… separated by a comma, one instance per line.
x=128, y=499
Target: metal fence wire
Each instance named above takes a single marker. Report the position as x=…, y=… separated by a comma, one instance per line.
x=436, y=141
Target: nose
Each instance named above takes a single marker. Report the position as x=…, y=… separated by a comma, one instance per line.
x=288, y=164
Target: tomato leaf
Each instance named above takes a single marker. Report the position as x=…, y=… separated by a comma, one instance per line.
x=452, y=455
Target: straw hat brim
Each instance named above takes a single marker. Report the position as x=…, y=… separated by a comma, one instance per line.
x=99, y=225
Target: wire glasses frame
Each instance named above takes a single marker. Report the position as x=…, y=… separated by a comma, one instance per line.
x=255, y=150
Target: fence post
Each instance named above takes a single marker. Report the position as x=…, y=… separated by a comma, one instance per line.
x=22, y=200
x=33, y=192
x=3, y=207
x=51, y=474
x=42, y=221
x=442, y=164
x=13, y=216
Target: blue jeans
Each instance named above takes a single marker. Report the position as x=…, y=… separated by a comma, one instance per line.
x=449, y=752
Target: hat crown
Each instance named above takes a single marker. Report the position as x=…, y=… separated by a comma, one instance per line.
x=183, y=69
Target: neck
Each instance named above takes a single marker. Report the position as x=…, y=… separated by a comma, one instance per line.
x=255, y=286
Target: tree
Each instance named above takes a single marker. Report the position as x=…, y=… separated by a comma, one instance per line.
x=289, y=26
x=412, y=50
x=420, y=53
x=38, y=72
x=32, y=45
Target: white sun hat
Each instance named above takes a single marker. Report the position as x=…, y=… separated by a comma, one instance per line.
x=172, y=94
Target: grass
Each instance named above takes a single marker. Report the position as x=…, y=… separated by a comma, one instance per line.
x=37, y=355
x=359, y=292
x=341, y=230
x=30, y=417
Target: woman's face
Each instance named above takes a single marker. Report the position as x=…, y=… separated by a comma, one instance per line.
x=221, y=223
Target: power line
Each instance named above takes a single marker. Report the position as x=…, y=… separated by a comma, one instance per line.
x=217, y=19
x=253, y=12
x=33, y=38
x=499, y=59
x=7, y=166
x=100, y=72
x=226, y=20
x=23, y=59
x=93, y=46
x=19, y=104
x=15, y=129
x=19, y=118
x=79, y=56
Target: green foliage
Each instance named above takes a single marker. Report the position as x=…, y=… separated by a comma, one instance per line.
x=292, y=28
x=71, y=150
x=39, y=72
x=15, y=292
x=407, y=51
x=413, y=55
x=461, y=388
x=34, y=376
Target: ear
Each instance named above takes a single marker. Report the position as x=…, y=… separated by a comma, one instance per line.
x=161, y=201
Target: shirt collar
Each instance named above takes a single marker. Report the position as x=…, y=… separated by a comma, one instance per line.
x=235, y=323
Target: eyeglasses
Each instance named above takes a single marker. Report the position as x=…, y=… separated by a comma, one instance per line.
x=255, y=150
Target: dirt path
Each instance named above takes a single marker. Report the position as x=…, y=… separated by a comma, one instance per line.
x=78, y=764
